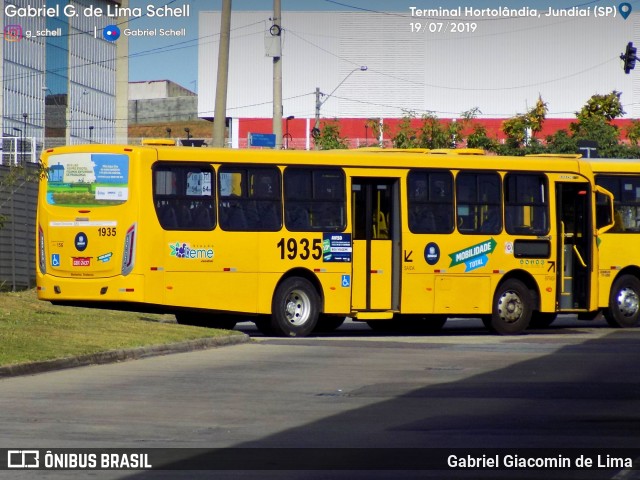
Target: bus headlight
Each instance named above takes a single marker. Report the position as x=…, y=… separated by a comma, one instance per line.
x=42, y=259
x=128, y=258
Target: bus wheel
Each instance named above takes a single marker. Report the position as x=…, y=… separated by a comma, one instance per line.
x=328, y=323
x=542, y=319
x=295, y=308
x=624, y=302
x=512, y=307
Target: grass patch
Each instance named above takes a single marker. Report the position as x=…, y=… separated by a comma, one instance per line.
x=32, y=330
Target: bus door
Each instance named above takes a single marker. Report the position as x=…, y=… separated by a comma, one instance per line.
x=574, y=245
x=375, y=217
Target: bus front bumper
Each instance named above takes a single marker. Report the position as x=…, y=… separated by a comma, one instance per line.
x=110, y=289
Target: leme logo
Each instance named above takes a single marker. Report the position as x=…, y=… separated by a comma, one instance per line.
x=183, y=250
x=13, y=33
x=23, y=459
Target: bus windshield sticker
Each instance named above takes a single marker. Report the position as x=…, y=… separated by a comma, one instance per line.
x=88, y=179
x=475, y=256
x=336, y=247
x=199, y=184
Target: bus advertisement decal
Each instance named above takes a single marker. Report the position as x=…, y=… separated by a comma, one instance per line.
x=204, y=253
x=336, y=247
x=104, y=258
x=475, y=256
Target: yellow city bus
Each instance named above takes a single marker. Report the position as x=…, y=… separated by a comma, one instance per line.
x=296, y=241
x=619, y=271
x=618, y=257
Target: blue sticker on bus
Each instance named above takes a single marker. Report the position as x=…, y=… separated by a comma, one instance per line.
x=432, y=253
x=55, y=260
x=336, y=247
x=346, y=281
x=81, y=242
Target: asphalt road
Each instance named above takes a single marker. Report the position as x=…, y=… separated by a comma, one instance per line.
x=575, y=385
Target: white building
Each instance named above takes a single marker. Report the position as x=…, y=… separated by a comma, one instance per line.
x=80, y=76
x=501, y=67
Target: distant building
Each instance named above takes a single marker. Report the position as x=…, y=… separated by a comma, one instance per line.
x=161, y=101
x=70, y=85
x=67, y=87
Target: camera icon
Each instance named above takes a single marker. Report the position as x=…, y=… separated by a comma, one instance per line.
x=13, y=33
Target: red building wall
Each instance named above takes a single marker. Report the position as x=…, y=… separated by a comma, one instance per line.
x=354, y=129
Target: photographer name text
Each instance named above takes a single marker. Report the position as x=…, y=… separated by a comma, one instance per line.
x=111, y=10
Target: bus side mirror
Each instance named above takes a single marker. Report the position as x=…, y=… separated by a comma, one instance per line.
x=605, y=219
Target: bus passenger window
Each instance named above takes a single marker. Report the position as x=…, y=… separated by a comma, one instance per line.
x=250, y=199
x=479, y=208
x=626, y=194
x=430, y=201
x=314, y=199
x=183, y=196
x=526, y=204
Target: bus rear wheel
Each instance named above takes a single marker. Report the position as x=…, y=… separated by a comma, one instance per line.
x=512, y=308
x=295, y=308
x=624, y=302
x=205, y=320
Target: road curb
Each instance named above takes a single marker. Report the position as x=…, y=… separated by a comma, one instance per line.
x=114, y=356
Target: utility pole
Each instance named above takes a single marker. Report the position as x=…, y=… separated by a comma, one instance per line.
x=276, y=31
x=220, y=114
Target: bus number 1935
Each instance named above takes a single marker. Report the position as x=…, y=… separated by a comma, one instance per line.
x=304, y=248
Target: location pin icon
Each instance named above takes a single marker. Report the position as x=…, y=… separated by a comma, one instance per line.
x=624, y=9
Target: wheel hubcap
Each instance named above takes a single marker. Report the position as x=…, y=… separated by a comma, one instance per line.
x=510, y=307
x=297, y=308
x=628, y=302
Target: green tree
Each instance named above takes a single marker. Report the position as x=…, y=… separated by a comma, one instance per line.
x=405, y=136
x=536, y=116
x=515, y=128
x=329, y=138
x=478, y=138
x=432, y=133
x=606, y=107
x=633, y=132
x=561, y=142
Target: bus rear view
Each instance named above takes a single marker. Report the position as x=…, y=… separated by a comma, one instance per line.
x=86, y=227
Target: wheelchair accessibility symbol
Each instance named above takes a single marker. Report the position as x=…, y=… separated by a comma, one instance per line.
x=346, y=281
x=55, y=260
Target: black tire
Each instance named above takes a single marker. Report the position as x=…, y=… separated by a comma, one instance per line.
x=206, y=320
x=295, y=308
x=542, y=319
x=512, y=308
x=328, y=323
x=624, y=302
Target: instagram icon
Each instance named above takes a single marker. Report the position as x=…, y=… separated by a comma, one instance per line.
x=13, y=33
